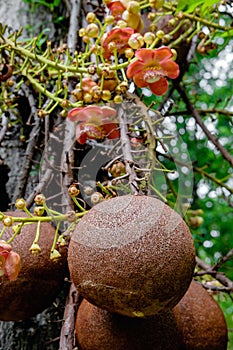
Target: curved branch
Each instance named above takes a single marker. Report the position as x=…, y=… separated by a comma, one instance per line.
x=126, y=150
x=219, y=276
x=199, y=121
x=73, y=27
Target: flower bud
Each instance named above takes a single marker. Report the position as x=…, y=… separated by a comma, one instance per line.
x=91, y=17
x=35, y=249
x=39, y=211
x=55, y=255
x=129, y=53
x=117, y=169
x=174, y=57
x=77, y=93
x=112, y=46
x=96, y=197
x=88, y=190
x=87, y=98
x=63, y=113
x=149, y=37
x=39, y=199
x=7, y=221
x=73, y=191
x=70, y=216
x=118, y=99
x=160, y=34
x=123, y=86
x=61, y=241
x=106, y=95
x=133, y=7
x=65, y=103
x=156, y=4
x=136, y=41
x=121, y=23
x=20, y=204
x=91, y=69
x=82, y=32
x=195, y=221
x=109, y=19
x=92, y=30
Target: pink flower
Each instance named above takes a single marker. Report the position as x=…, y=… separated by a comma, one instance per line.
x=118, y=38
x=116, y=8
x=94, y=123
x=152, y=67
x=87, y=85
x=9, y=261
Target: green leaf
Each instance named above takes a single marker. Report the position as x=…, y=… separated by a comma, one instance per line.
x=184, y=6
x=228, y=34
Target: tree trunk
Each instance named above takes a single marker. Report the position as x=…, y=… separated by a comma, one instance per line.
x=43, y=331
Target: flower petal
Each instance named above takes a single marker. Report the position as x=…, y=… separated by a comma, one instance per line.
x=148, y=56
x=87, y=84
x=12, y=265
x=111, y=131
x=162, y=53
x=134, y=68
x=73, y=114
x=81, y=135
x=94, y=132
x=83, y=114
x=108, y=112
x=170, y=68
x=140, y=81
x=160, y=87
x=116, y=8
x=117, y=35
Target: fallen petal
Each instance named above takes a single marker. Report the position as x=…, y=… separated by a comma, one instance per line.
x=12, y=266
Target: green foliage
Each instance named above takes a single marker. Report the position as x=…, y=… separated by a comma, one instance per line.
x=50, y=4
x=204, y=5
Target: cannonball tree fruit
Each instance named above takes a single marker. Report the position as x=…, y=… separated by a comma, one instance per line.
x=132, y=255
x=98, y=329
x=201, y=320
x=40, y=278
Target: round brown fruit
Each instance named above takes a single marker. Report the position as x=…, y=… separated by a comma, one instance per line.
x=132, y=255
x=201, y=320
x=40, y=279
x=98, y=329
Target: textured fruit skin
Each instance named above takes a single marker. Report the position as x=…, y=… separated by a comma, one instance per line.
x=40, y=279
x=132, y=255
x=201, y=320
x=98, y=329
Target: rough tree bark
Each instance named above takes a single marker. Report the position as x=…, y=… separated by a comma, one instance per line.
x=43, y=331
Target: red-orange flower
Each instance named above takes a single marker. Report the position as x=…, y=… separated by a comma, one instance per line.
x=9, y=261
x=116, y=8
x=87, y=85
x=118, y=38
x=152, y=67
x=95, y=123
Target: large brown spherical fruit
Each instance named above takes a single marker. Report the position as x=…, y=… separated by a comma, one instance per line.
x=40, y=279
x=98, y=329
x=132, y=255
x=201, y=321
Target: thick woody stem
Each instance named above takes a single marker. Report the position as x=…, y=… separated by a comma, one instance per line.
x=199, y=121
x=67, y=336
x=219, y=276
x=126, y=150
